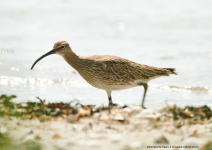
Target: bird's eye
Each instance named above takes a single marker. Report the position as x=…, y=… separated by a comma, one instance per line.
x=62, y=47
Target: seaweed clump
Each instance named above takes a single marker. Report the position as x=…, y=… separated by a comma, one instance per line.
x=73, y=111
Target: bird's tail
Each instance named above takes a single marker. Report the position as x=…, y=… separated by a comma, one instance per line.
x=172, y=70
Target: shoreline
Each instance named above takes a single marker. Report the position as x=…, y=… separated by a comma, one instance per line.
x=61, y=126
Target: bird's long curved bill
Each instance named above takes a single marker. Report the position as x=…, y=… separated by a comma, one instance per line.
x=47, y=54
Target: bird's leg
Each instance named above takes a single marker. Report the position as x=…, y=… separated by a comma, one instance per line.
x=109, y=99
x=145, y=85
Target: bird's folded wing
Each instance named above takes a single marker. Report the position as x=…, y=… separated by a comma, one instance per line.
x=128, y=71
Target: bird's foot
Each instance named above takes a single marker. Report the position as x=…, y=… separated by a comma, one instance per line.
x=110, y=105
x=143, y=107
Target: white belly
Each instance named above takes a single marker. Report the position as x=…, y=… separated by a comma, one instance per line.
x=119, y=87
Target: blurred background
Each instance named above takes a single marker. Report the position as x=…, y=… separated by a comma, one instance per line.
x=160, y=33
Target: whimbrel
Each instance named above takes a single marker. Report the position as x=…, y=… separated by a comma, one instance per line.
x=107, y=72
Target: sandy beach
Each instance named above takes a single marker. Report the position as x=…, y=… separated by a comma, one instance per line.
x=64, y=127
x=89, y=134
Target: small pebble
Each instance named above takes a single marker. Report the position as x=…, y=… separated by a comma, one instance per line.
x=3, y=129
x=96, y=115
x=161, y=140
x=56, y=136
x=135, y=145
x=103, y=117
x=127, y=109
x=118, y=117
x=94, y=136
x=93, y=143
x=116, y=138
x=29, y=139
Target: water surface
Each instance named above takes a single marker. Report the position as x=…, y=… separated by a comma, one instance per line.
x=160, y=33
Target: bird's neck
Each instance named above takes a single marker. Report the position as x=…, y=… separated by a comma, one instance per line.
x=72, y=59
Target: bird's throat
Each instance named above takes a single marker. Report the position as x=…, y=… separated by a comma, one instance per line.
x=72, y=59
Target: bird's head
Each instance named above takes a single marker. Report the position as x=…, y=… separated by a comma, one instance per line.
x=60, y=48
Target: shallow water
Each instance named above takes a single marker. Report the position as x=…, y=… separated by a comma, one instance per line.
x=160, y=33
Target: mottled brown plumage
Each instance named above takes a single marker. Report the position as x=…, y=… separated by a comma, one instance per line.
x=109, y=72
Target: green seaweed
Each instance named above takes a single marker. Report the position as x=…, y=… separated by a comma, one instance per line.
x=7, y=144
